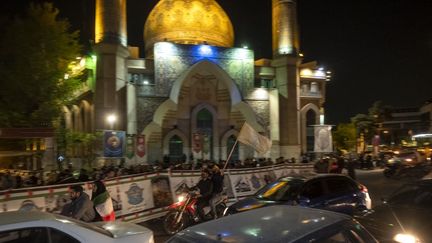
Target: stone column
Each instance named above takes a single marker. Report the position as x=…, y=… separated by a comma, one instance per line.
x=288, y=86
x=111, y=48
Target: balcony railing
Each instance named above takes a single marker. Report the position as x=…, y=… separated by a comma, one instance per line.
x=310, y=94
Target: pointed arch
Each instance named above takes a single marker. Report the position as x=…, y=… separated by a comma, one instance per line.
x=215, y=130
x=210, y=67
x=303, y=118
x=181, y=135
x=224, y=142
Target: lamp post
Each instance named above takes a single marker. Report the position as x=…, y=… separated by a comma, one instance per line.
x=111, y=119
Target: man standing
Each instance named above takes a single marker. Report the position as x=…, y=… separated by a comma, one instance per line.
x=81, y=207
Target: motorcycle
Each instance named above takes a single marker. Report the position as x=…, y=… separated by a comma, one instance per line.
x=399, y=170
x=183, y=213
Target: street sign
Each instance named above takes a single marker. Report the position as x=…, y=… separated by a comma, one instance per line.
x=61, y=158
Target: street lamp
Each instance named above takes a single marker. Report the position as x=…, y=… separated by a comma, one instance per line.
x=111, y=119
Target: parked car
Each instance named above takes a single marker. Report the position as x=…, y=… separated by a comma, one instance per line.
x=278, y=224
x=41, y=227
x=407, y=214
x=330, y=192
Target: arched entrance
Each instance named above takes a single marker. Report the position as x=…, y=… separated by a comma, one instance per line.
x=205, y=128
x=310, y=136
x=236, y=153
x=175, y=148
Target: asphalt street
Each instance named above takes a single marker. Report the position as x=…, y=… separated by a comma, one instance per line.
x=379, y=187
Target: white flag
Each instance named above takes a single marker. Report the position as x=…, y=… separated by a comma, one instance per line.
x=250, y=137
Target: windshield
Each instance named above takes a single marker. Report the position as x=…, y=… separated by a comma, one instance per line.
x=88, y=226
x=282, y=190
x=412, y=195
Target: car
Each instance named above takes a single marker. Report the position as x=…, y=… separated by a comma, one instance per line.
x=278, y=224
x=406, y=214
x=409, y=157
x=332, y=192
x=42, y=227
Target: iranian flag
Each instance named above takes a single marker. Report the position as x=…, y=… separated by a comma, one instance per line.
x=104, y=206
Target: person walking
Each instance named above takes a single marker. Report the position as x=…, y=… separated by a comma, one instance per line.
x=81, y=207
x=351, y=168
x=102, y=202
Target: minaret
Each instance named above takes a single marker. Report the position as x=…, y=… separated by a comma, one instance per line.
x=286, y=62
x=285, y=27
x=111, y=94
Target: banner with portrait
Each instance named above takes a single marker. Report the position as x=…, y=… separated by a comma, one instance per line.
x=140, y=146
x=114, y=142
x=196, y=142
x=323, y=139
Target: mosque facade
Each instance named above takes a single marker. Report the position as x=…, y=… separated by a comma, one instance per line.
x=192, y=92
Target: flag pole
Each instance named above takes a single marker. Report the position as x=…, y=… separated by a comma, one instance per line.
x=230, y=154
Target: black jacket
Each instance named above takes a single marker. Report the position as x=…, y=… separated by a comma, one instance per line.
x=218, y=182
x=206, y=188
x=80, y=208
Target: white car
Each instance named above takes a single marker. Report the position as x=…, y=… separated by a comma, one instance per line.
x=41, y=227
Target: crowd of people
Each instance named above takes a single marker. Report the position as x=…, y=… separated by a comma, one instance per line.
x=14, y=179
x=81, y=207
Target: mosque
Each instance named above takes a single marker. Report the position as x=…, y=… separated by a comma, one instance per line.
x=192, y=92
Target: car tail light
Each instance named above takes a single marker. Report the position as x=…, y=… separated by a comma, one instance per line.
x=363, y=188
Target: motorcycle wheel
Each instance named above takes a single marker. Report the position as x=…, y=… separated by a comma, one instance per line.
x=170, y=225
x=220, y=209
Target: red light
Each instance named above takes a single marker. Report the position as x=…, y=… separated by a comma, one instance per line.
x=363, y=188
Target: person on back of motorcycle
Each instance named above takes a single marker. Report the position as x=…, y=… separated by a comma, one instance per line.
x=205, y=186
x=217, y=180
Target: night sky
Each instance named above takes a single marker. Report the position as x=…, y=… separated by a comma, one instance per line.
x=376, y=49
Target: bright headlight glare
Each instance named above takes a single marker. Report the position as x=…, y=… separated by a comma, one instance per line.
x=405, y=238
x=180, y=198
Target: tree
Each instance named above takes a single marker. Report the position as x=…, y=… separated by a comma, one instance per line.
x=379, y=112
x=345, y=136
x=37, y=72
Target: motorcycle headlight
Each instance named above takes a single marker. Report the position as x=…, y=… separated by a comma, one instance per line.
x=181, y=198
x=405, y=238
x=408, y=160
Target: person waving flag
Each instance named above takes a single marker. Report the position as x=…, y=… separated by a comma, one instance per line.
x=102, y=202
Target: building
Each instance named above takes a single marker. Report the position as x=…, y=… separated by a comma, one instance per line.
x=193, y=86
x=402, y=123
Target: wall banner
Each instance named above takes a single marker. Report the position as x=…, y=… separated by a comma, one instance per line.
x=142, y=197
x=114, y=142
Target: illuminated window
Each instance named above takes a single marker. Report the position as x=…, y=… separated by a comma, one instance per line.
x=141, y=79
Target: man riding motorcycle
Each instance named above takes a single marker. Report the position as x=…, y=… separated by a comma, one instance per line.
x=205, y=186
x=218, y=183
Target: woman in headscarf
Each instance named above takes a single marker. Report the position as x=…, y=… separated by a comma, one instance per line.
x=102, y=202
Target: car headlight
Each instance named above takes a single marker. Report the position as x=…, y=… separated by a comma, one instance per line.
x=405, y=238
x=181, y=198
x=408, y=160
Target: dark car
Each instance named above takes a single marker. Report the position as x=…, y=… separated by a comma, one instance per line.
x=278, y=224
x=407, y=213
x=330, y=192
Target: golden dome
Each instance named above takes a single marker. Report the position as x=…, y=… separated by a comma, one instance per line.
x=188, y=22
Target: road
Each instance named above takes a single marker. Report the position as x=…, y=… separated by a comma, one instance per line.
x=378, y=186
